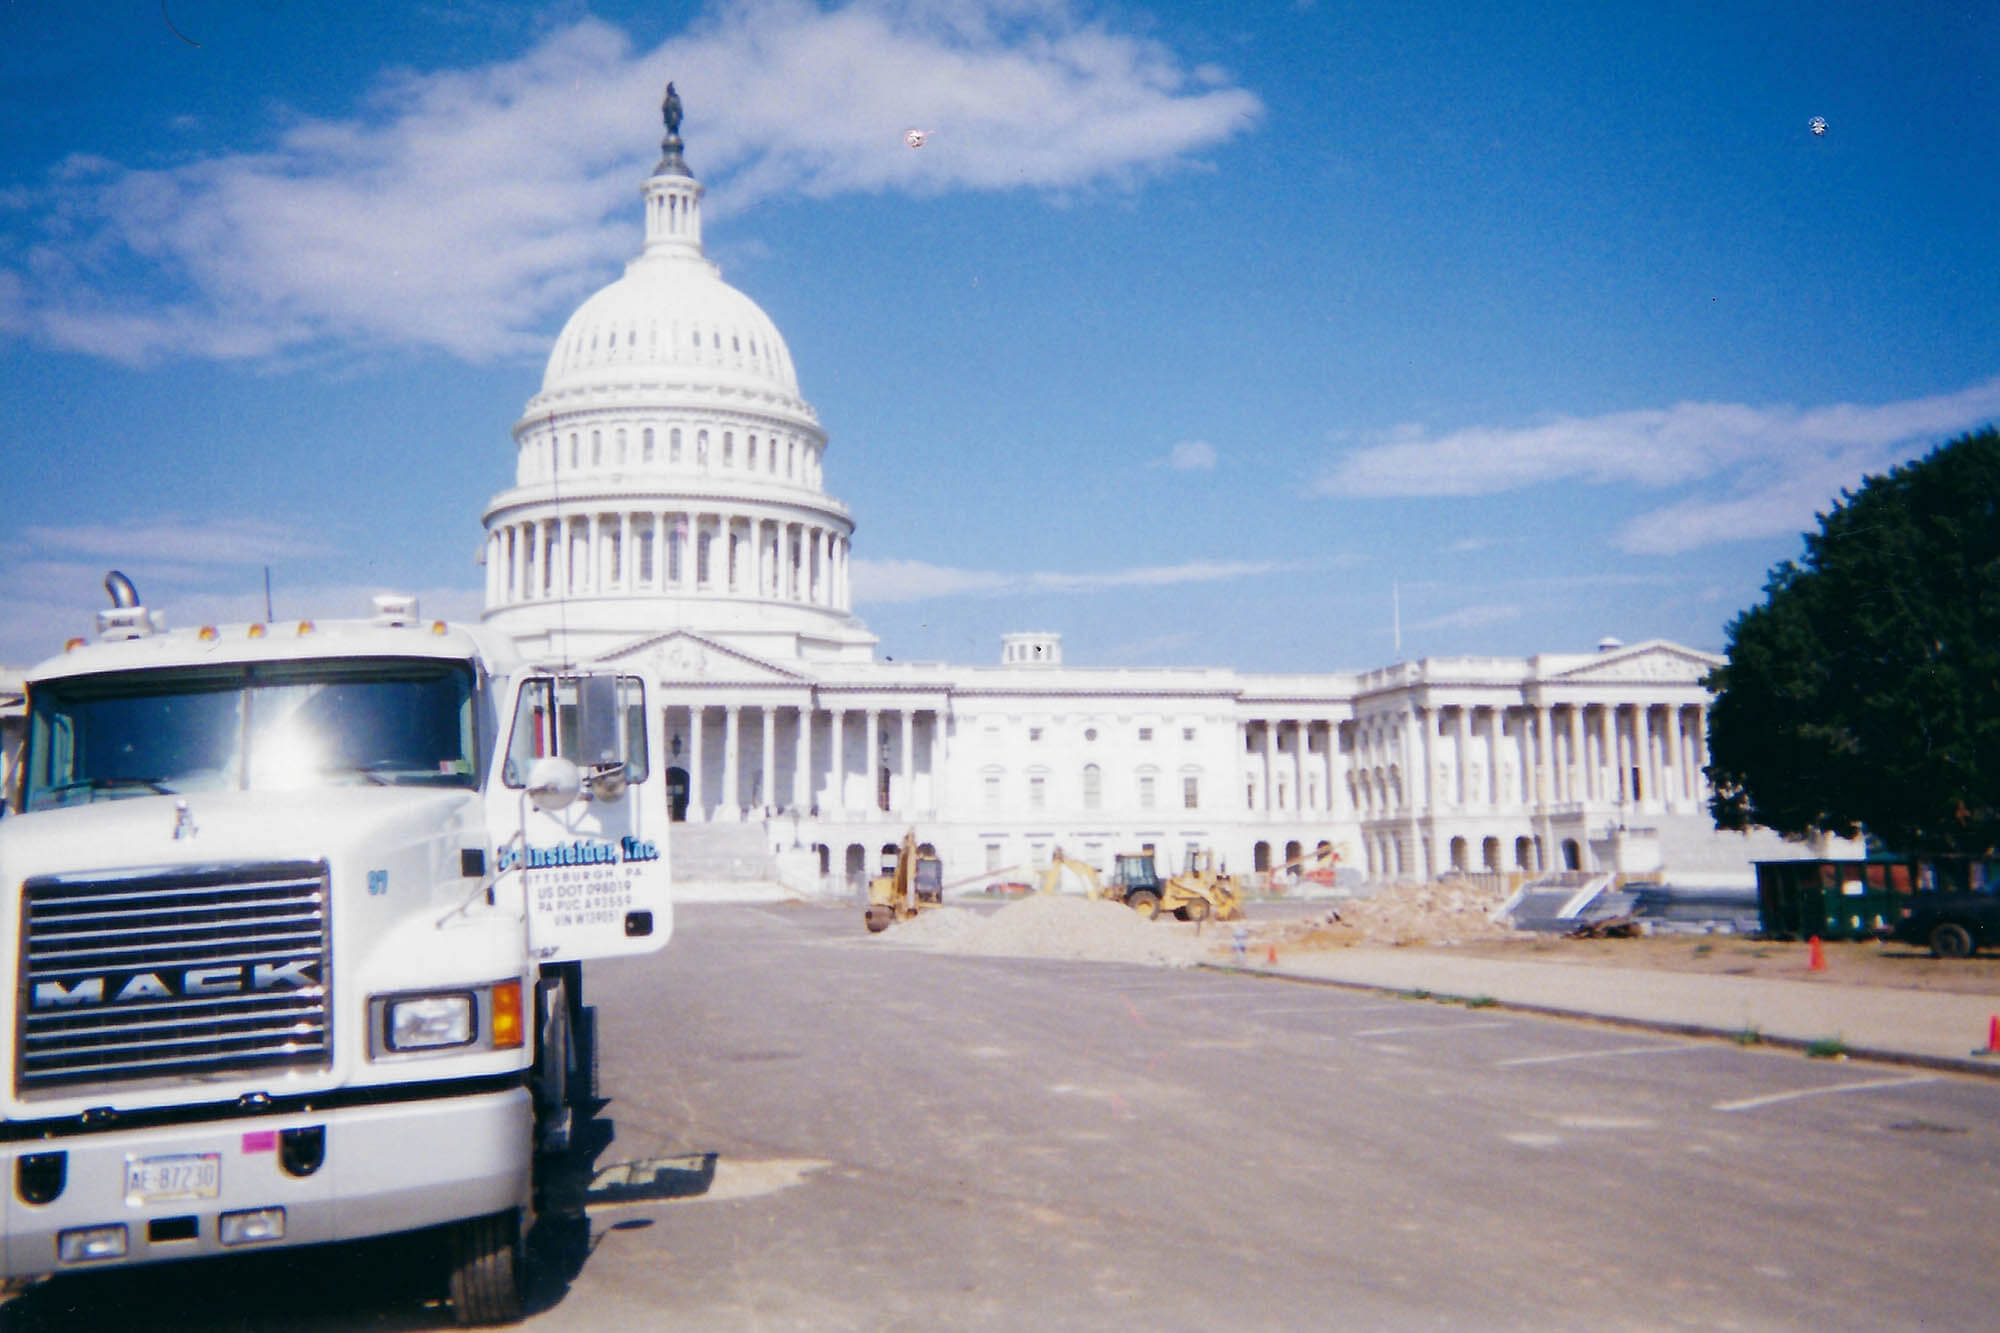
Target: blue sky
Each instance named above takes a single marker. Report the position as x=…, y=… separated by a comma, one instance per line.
x=1191, y=331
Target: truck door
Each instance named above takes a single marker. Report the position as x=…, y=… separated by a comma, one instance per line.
x=579, y=798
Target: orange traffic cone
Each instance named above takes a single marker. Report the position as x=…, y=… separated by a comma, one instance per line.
x=1271, y=954
x=1816, y=962
x=1992, y=1037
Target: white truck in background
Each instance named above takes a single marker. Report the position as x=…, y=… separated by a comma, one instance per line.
x=298, y=913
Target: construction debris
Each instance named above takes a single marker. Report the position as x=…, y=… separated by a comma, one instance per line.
x=1448, y=911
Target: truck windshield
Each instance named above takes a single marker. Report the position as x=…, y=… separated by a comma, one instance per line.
x=265, y=727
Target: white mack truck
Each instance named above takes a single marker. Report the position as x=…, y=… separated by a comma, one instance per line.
x=297, y=913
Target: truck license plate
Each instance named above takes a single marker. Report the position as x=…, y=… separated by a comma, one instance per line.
x=180, y=1176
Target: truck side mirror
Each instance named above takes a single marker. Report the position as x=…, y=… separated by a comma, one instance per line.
x=553, y=782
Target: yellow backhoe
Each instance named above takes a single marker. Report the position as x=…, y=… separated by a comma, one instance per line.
x=914, y=883
x=1060, y=865
x=1198, y=893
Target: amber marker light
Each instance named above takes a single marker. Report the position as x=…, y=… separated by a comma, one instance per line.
x=437, y=627
x=206, y=634
x=71, y=645
x=507, y=1015
x=305, y=627
x=255, y=631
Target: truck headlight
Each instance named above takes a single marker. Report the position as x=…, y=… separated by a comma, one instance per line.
x=430, y=1022
x=470, y=1018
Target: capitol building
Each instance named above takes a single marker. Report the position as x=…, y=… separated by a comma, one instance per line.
x=669, y=507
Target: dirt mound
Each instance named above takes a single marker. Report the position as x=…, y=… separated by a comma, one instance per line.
x=1440, y=912
x=1053, y=926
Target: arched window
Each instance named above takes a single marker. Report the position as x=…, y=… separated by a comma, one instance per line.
x=1093, y=787
x=646, y=445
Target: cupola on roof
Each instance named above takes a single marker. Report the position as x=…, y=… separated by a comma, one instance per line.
x=671, y=316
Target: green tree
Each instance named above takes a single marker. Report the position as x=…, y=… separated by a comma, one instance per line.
x=1864, y=693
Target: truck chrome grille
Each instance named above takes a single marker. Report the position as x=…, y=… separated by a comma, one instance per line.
x=201, y=972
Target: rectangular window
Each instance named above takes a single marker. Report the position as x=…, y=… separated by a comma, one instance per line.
x=1145, y=733
x=1034, y=733
x=1191, y=793
x=992, y=791
x=992, y=856
x=1187, y=733
x=1145, y=791
x=1038, y=793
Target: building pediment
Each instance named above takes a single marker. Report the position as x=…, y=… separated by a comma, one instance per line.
x=682, y=658
x=1665, y=663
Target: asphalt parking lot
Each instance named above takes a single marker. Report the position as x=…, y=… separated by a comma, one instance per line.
x=808, y=1129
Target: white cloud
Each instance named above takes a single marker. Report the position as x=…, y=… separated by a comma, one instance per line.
x=464, y=209
x=913, y=580
x=1778, y=464
x=222, y=541
x=1192, y=456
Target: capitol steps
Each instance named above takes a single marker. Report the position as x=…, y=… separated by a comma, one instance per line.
x=730, y=853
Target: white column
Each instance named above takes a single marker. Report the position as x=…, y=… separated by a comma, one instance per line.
x=802, y=761
x=732, y=793
x=908, y=800
x=839, y=759
x=1270, y=764
x=1299, y=742
x=936, y=753
x=870, y=801
x=1700, y=748
x=697, y=810
x=1460, y=793
x=1613, y=745
x=1621, y=757
x=1544, y=779
x=767, y=781
x=1571, y=758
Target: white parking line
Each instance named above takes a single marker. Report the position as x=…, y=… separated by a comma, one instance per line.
x=1430, y=1027
x=1655, y=1049
x=1771, y=1099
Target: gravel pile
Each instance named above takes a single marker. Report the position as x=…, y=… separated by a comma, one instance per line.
x=1054, y=926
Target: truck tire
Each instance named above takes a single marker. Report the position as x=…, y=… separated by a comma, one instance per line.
x=1145, y=902
x=485, y=1262
x=1951, y=940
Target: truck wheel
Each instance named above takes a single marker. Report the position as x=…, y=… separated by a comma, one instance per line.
x=485, y=1258
x=1194, y=911
x=877, y=919
x=1145, y=902
x=1951, y=940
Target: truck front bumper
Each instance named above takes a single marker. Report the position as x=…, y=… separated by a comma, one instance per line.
x=384, y=1168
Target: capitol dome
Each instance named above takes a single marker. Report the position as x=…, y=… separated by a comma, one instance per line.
x=672, y=317
x=668, y=476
